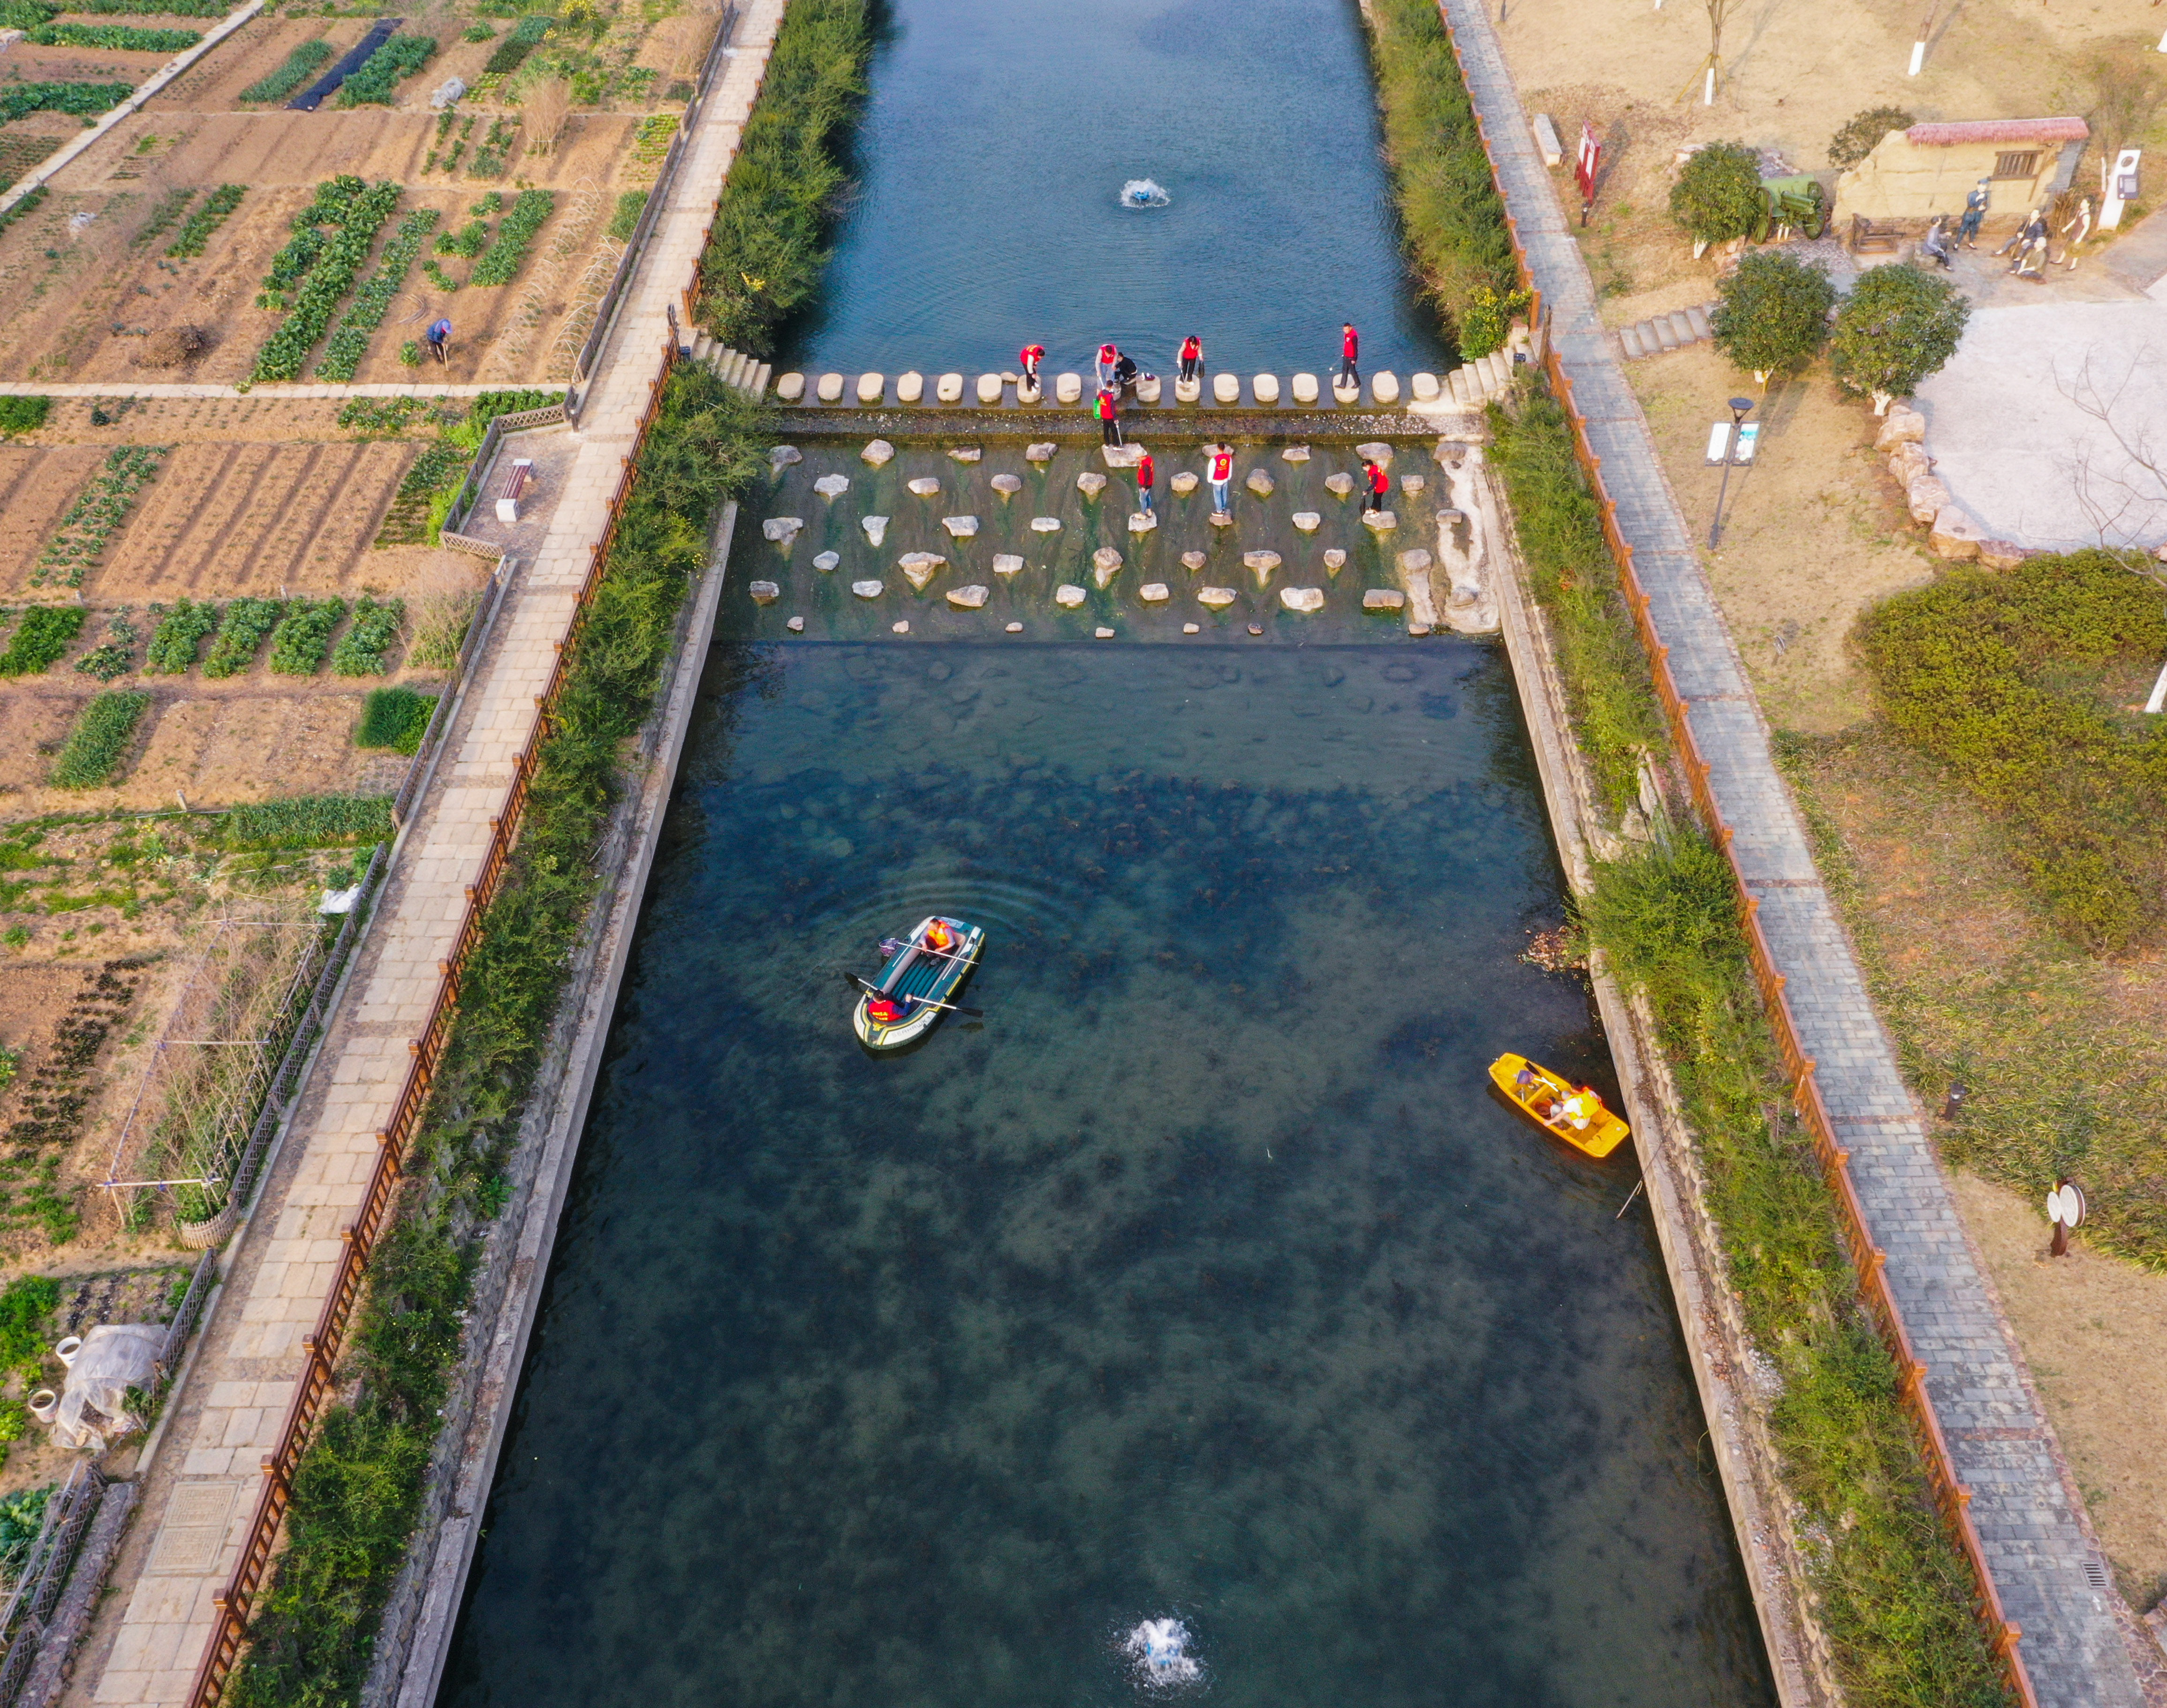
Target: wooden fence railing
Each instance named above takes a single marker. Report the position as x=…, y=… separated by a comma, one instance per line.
x=1870, y=1262
x=321, y=1348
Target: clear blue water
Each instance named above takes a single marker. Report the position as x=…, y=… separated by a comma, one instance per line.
x=990, y=164
x=1203, y=1278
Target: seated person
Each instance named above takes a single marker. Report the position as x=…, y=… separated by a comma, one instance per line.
x=940, y=939
x=883, y=1010
x=1582, y=1107
x=1124, y=373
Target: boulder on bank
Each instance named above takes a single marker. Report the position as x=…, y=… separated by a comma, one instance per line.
x=970, y=598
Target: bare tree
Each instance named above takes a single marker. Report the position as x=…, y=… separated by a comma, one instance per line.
x=547, y=103
x=2119, y=474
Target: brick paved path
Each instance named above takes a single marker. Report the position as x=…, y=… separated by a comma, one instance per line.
x=2003, y=1448
x=201, y=1492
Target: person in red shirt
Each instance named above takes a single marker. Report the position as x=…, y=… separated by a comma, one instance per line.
x=1110, y=417
x=1030, y=356
x=1109, y=358
x=1222, y=475
x=1350, y=351
x=1147, y=477
x=1192, y=358
x=1375, y=485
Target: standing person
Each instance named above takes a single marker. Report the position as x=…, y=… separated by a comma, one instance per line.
x=1974, y=212
x=1029, y=357
x=1192, y=358
x=2081, y=224
x=1375, y=485
x=1221, y=474
x=1108, y=357
x=1350, y=354
x=1110, y=417
x=1147, y=477
x=439, y=338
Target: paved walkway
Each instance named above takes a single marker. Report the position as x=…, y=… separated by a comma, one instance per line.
x=2003, y=1448
x=202, y=1489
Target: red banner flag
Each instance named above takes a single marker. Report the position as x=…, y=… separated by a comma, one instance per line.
x=1585, y=168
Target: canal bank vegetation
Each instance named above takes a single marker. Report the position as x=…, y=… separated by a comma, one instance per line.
x=358, y=1489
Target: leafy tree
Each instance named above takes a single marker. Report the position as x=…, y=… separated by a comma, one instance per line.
x=1718, y=195
x=1773, y=313
x=1898, y=325
x=1863, y=134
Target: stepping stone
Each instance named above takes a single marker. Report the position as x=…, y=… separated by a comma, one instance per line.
x=1265, y=387
x=1629, y=338
x=1068, y=388
x=1142, y=521
x=876, y=527
x=924, y=485
x=966, y=453
x=1384, y=388
x=782, y=456
x=1103, y=634
x=1154, y=592
x=872, y=387
x=1256, y=628
x=920, y=567
x=1226, y=389
x=1377, y=451
x=1046, y=524
x=1217, y=598
x=1068, y=596
x=1188, y=390
x=1335, y=560
x=949, y=388
x=1105, y=564
x=970, y=598
x=1192, y=560
x=1411, y=483
x=1122, y=456
x=1304, y=386
x=990, y=387
x=1028, y=393
x=1423, y=387
x=1308, y=521
x=1339, y=484
x=1040, y=453
x=1384, y=599
x=1183, y=484
x=827, y=561
x=880, y=451
x=782, y=529
x=1220, y=518
x=960, y=527
x=902, y=628
x=1186, y=628
x=1415, y=563
x=909, y=387
x=830, y=389
x=1260, y=564
x=1295, y=454
x=1346, y=395
x=867, y=589
x=1147, y=388
x=790, y=388
x=1090, y=483
x=1016, y=629
x=1302, y=598
x=1418, y=629
x=766, y=593
x=1379, y=520
x=1007, y=484
x=832, y=485
x=1007, y=563
x=796, y=625
x=1260, y=483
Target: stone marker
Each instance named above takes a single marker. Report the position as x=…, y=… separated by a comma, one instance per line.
x=1147, y=388
x=782, y=529
x=1192, y=560
x=1217, y=598
x=1188, y=390
x=878, y=452
x=1295, y=454
x=876, y=527
x=827, y=561
x=1384, y=599
x=1379, y=520
x=1007, y=563
x=1304, y=386
x=1103, y=633
x=1068, y=596
x=1182, y=483
x=832, y=485
x=1384, y=388
x=902, y=628
x=1041, y=452
x=920, y=567
x=872, y=387
x=989, y=390
x=1226, y=389
x=790, y=388
x=1260, y=483
x=1411, y=483
x=1266, y=388
x=970, y=598
x=948, y=389
x=1546, y=139
x=1308, y=521
x=1186, y=628
x=1954, y=535
x=1340, y=485
x=1424, y=387
x=1090, y=483
x=830, y=388
x=1068, y=388
x=1377, y=451
x=909, y=387
x=782, y=456
x=1105, y=564
x=867, y=589
x=1260, y=564
x=1008, y=486
x=796, y=625
x=924, y=485
x=1335, y=560
x=1046, y=524
x=1142, y=521
x=1302, y=598
x=1154, y=592
x=966, y=453
x=1927, y=496
x=1016, y=629
x=960, y=527
x=766, y=593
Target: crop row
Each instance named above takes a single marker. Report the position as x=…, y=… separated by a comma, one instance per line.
x=206, y=220
x=179, y=637
x=96, y=514
x=375, y=627
x=126, y=37
x=373, y=85
x=39, y=639
x=303, y=636
x=328, y=281
x=372, y=301
x=514, y=236
x=85, y=100
x=512, y=52
x=299, y=66
x=102, y=733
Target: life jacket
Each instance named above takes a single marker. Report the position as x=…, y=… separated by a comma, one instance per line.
x=939, y=937
x=883, y=1010
x=1223, y=465
x=1380, y=484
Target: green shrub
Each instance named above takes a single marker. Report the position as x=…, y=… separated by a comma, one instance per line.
x=375, y=629
x=1863, y=133
x=515, y=236
x=1718, y=194
x=102, y=733
x=372, y=301
x=470, y=242
x=85, y=100
x=1898, y=325
x=1997, y=676
x=206, y=220
x=1772, y=313
x=394, y=718
x=39, y=639
x=1486, y=320
x=26, y=14
x=24, y=415
x=310, y=821
x=124, y=36
x=625, y=221
x=477, y=32
x=247, y=621
x=303, y=636
x=301, y=65
x=179, y=637
x=374, y=84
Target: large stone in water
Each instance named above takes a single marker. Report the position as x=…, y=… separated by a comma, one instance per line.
x=1226, y=389
x=790, y=388
x=1148, y=389
x=1142, y=521
x=1302, y=598
x=1295, y=454
x=1217, y=598
x=1016, y=629
x=1154, y=592
x=766, y=593
x=1221, y=518
x=1341, y=484
x=827, y=561
x=1182, y=483
x=867, y=589
x=1376, y=451
x=1103, y=634
x=1007, y=563
x=782, y=456
x=920, y=567
x=832, y=485
x=796, y=625
x=1384, y=599
x=876, y=527
x=1260, y=483
x=878, y=452
x=1308, y=521
x=1192, y=560
x=924, y=485
x=1384, y=388
x=1186, y=628
x=910, y=387
x=1105, y=564
x=1266, y=388
x=1068, y=388
x=1379, y=520
x=1425, y=388
x=970, y=598
x=1007, y=484
x=1415, y=563
x=782, y=529
x=1305, y=388
x=960, y=527
x=902, y=628
x=1090, y=483
x=1068, y=596
x=1344, y=392
x=1046, y=524
x=949, y=388
x=966, y=453
x=871, y=387
x=989, y=389
x=1188, y=390
x=1122, y=456
x=1260, y=564
x=1411, y=483
x=830, y=389
x=1041, y=452
x=1335, y=560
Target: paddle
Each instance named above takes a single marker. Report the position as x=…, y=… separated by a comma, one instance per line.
x=872, y=989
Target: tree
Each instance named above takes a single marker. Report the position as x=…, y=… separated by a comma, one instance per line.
x=1773, y=313
x=1863, y=134
x=1898, y=325
x=1718, y=194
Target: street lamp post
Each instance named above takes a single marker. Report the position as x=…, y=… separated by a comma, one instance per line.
x=1740, y=407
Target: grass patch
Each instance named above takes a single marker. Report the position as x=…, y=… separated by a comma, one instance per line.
x=179, y=637
x=514, y=236
x=205, y=220
x=308, y=821
x=625, y=220
x=39, y=639
x=247, y=621
x=300, y=65
x=375, y=631
x=394, y=718
x=303, y=636
x=375, y=84
x=103, y=730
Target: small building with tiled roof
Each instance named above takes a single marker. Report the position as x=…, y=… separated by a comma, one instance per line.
x=1930, y=169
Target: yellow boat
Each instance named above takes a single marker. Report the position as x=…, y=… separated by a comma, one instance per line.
x=1542, y=1101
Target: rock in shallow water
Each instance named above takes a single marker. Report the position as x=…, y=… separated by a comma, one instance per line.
x=1415, y=563
x=867, y=589
x=876, y=527
x=1335, y=560
x=1218, y=598
x=1183, y=484
x=920, y=567
x=966, y=453
x=878, y=452
x=1308, y=521
x=1046, y=524
x=796, y=625
x=969, y=598
x=1154, y=592
x=766, y=593
x=1007, y=484
x=1192, y=560
x=1295, y=454
x=1040, y=453
x=1142, y=521
x=1090, y=483
x=1016, y=629
x=782, y=529
x=827, y=561
x=1260, y=483
x=1341, y=484
x=832, y=485
x=1068, y=596
x=924, y=485
x=1379, y=520
x=1384, y=599
x=782, y=456
x=1105, y=564
x=1260, y=564
x=1192, y=628
x=960, y=527
x=1007, y=563
x=1302, y=598
x=1376, y=451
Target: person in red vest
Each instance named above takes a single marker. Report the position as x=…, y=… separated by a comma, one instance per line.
x=1110, y=417
x=1221, y=475
x=1030, y=356
x=1192, y=358
x=1109, y=358
x=1350, y=353
x=1147, y=477
x=1375, y=485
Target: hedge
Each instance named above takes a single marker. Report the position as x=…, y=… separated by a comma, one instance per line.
x=102, y=733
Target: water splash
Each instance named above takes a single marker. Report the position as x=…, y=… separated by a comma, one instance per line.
x=1160, y=1649
x=1144, y=192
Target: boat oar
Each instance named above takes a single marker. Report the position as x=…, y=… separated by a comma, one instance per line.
x=872, y=989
